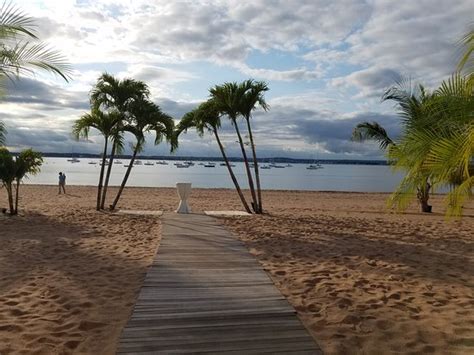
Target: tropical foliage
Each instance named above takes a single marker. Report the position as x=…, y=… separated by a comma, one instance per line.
x=441, y=147
x=21, y=53
x=234, y=101
x=107, y=125
x=206, y=117
x=14, y=169
x=436, y=147
x=116, y=96
x=117, y=107
x=146, y=117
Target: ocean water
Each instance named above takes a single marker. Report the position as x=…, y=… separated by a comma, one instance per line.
x=360, y=178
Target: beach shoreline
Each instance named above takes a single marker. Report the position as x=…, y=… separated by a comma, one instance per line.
x=362, y=279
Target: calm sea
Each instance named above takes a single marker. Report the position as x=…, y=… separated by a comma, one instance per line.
x=362, y=178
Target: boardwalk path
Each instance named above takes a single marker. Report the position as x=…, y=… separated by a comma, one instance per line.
x=205, y=293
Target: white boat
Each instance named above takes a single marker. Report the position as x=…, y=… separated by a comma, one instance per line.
x=181, y=165
x=230, y=164
x=210, y=165
x=314, y=166
x=149, y=163
x=92, y=162
x=266, y=167
x=118, y=162
x=137, y=162
x=189, y=163
x=73, y=160
x=161, y=162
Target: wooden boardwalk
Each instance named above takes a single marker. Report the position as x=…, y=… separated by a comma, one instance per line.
x=205, y=293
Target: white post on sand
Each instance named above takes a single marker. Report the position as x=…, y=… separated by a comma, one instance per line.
x=184, y=190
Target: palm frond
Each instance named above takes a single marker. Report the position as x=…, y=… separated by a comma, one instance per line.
x=467, y=43
x=13, y=22
x=371, y=131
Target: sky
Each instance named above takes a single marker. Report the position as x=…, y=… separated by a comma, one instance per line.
x=327, y=64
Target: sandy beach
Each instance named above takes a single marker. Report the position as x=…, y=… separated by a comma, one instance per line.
x=363, y=280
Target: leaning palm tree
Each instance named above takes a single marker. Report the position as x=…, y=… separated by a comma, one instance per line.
x=106, y=124
x=253, y=96
x=228, y=100
x=117, y=95
x=146, y=117
x=207, y=117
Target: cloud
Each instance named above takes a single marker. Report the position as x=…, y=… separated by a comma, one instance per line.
x=49, y=97
x=415, y=38
x=335, y=59
x=369, y=82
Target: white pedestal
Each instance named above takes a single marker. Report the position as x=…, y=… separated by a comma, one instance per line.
x=184, y=190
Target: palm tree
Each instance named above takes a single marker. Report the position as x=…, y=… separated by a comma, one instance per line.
x=106, y=124
x=111, y=93
x=414, y=109
x=447, y=143
x=228, y=99
x=7, y=175
x=19, y=54
x=253, y=96
x=146, y=117
x=207, y=117
x=27, y=162
x=14, y=170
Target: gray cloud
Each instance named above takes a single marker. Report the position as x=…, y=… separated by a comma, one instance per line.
x=33, y=92
x=370, y=82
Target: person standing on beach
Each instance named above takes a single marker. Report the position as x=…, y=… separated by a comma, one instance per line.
x=62, y=183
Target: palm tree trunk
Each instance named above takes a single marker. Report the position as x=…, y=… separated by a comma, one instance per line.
x=423, y=195
x=125, y=178
x=17, y=193
x=255, y=164
x=9, y=188
x=107, y=177
x=247, y=168
x=231, y=172
x=101, y=178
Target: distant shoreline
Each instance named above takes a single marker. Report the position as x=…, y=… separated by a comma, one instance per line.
x=233, y=159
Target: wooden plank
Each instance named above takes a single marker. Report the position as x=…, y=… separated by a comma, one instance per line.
x=205, y=293
x=293, y=344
